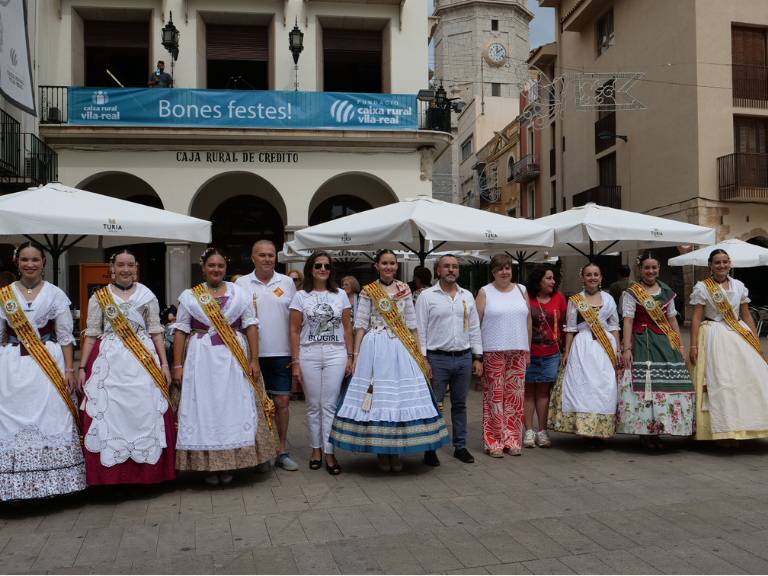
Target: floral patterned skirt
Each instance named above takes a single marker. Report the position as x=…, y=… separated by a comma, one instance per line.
x=658, y=413
x=582, y=423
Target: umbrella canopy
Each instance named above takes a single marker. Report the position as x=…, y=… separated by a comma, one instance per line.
x=423, y=225
x=743, y=254
x=59, y=217
x=593, y=230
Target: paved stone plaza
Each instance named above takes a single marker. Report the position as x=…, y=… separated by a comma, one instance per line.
x=693, y=509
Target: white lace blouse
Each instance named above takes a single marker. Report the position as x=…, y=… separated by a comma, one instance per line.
x=369, y=318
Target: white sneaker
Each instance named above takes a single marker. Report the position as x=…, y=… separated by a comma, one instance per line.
x=542, y=439
x=529, y=440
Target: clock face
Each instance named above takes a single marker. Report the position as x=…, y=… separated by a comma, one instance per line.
x=497, y=53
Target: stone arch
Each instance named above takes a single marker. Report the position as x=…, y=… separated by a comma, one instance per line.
x=124, y=186
x=362, y=186
x=243, y=207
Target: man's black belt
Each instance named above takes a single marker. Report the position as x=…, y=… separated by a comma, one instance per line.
x=450, y=353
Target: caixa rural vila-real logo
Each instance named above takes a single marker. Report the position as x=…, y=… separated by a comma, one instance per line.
x=99, y=108
x=388, y=111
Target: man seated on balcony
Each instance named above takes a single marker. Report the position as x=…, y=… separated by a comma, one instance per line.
x=160, y=78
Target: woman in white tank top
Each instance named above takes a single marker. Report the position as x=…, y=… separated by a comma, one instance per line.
x=505, y=325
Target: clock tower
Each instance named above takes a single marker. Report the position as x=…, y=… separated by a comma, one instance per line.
x=481, y=46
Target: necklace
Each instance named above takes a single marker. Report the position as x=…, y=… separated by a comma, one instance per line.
x=214, y=289
x=123, y=288
x=29, y=289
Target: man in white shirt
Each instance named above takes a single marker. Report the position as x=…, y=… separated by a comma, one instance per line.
x=449, y=331
x=272, y=294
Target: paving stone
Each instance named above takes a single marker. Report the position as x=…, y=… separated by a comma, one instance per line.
x=516, y=568
x=138, y=541
x=60, y=550
x=597, y=532
x=586, y=564
x=285, y=529
x=706, y=562
x=624, y=562
x=432, y=554
x=468, y=549
x=352, y=522
x=501, y=545
x=213, y=535
x=319, y=526
x=663, y=560
x=240, y=562
x=448, y=513
x=392, y=554
x=99, y=546
x=175, y=538
x=314, y=559
x=352, y=557
x=569, y=538
x=533, y=539
x=547, y=566
x=21, y=551
x=733, y=555
x=249, y=532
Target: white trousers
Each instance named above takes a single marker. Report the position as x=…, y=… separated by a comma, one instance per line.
x=322, y=370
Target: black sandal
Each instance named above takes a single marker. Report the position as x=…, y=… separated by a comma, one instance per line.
x=315, y=464
x=334, y=470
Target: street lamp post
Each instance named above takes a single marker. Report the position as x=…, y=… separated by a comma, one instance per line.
x=296, y=45
x=170, y=41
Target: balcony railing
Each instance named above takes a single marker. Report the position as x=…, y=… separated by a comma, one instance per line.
x=607, y=127
x=10, y=144
x=525, y=169
x=743, y=177
x=750, y=86
x=53, y=104
x=38, y=164
x=602, y=194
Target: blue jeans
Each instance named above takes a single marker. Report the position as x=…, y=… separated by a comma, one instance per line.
x=455, y=372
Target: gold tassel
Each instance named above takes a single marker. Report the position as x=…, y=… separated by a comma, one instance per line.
x=705, y=401
x=368, y=401
x=466, y=316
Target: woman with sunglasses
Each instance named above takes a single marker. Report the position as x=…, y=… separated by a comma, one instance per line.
x=321, y=350
x=388, y=408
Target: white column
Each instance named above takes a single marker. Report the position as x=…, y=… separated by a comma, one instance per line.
x=177, y=270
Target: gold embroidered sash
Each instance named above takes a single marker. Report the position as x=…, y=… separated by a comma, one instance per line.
x=29, y=338
x=724, y=307
x=227, y=334
x=128, y=336
x=591, y=317
x=656, y=312
x=391, y=315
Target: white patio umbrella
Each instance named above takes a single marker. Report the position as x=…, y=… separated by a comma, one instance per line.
x=593, y=230
x=59, y=217
x=743, y=254
x=423, y=225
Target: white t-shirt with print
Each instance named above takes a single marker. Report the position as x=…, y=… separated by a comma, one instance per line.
x=321, y=311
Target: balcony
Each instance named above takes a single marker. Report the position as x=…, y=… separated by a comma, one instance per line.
x=750, y=86
x=743, y=177
x=525, y=169
x=37, y=164
x=602, y=194
x=606, y=126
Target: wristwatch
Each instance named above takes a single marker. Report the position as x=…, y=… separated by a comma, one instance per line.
x=478, y=357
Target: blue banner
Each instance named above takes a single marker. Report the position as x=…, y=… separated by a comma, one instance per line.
x=241, y=109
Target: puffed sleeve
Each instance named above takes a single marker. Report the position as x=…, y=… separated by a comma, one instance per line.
x=613, y=315
x=671, y=309
x=409, y=313
x=571, y=318
x=183, y=319
x=152, y=317
x=628, y=305
x=699, y=294
x=744, y=298
x=64, y=322
x=248, y=317
x=94, y=326
x=363, y=312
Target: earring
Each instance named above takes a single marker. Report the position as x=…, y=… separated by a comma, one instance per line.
x=112, y=275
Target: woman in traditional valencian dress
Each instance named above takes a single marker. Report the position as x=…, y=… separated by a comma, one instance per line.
x=584, y=397
x=388, y=408
x=128, y=423
x=731, y=374
x=40, y=450
x=222, y=421
x=656, y=394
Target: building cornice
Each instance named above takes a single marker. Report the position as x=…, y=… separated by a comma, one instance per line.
x=524, y=12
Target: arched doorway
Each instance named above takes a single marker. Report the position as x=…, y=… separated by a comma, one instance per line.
x=333, y=200
x=243, y=208
x=150, y=256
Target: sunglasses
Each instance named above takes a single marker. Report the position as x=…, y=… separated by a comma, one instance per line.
x=322, y=266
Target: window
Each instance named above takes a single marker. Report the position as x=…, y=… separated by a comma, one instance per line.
x=120, y=47
x=510, y=168
x=466, y=149
x=530, y=200
x=494, y=25
x=607, y=170
x=495, y=89
x=237, y=57
x=352, y=60
x=553, y=196
x=749, y=54
x=531, y=140
x=604, y=32
x=750, y=135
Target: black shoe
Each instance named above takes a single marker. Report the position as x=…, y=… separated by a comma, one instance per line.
x=463, y=455
x=431, y=459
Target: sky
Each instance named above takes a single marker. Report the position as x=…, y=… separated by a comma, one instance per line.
x=542, y=28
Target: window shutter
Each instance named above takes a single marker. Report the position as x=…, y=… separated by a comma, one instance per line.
x=224, y=42
x=340, y=40
x=749, y=46
x=115, y=34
